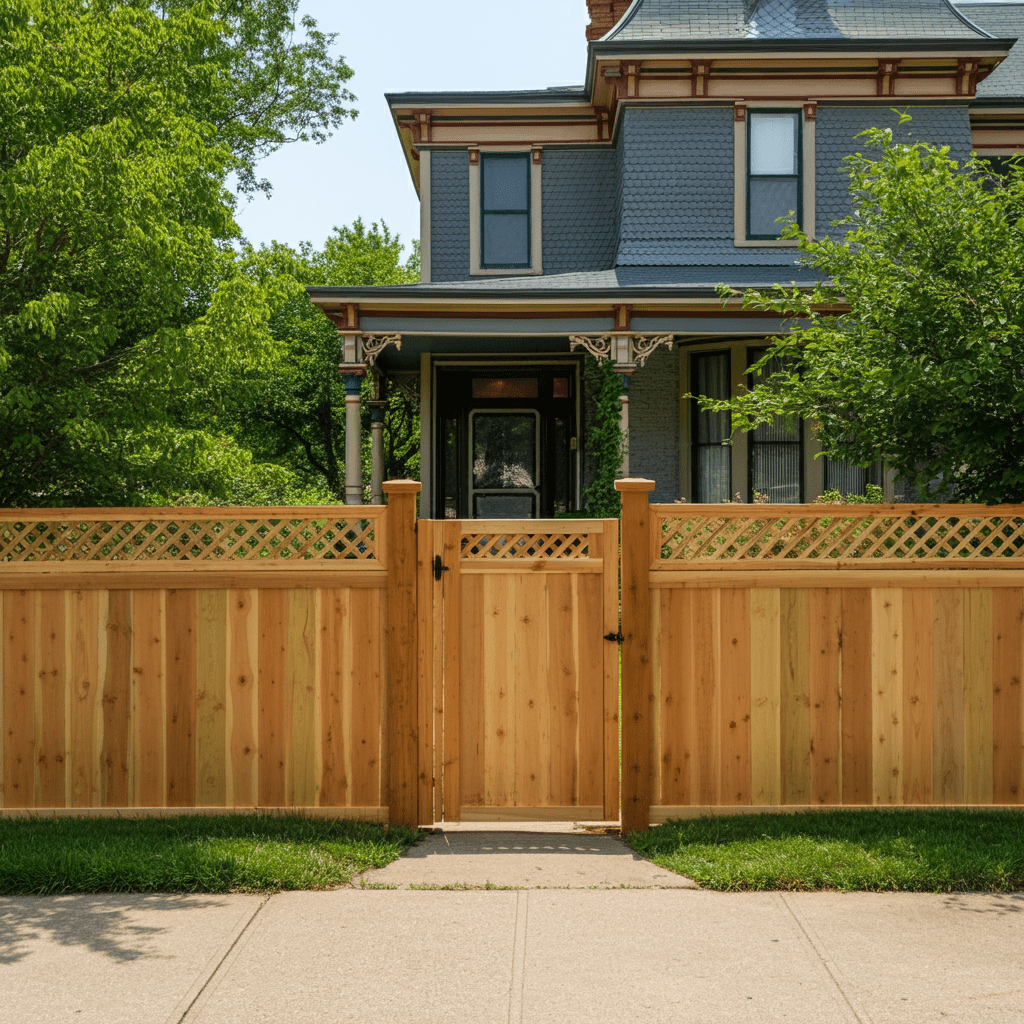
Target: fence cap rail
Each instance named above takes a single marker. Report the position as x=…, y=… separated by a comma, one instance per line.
x=683, y=510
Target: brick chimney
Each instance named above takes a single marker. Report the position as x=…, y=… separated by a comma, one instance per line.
x=604, y=16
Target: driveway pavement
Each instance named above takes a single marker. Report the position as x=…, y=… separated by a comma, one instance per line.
x=560, y=955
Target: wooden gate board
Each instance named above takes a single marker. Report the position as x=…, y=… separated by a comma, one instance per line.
x=525, y=686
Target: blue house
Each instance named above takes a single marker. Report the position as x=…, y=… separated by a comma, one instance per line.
x=596, y=221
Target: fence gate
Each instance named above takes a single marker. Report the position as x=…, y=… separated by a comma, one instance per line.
x=524, y=722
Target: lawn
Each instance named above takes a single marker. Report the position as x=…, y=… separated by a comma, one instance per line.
x=230, y=853
x=869, y=850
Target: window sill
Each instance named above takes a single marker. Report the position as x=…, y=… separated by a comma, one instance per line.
x=772, y=243
x=510, y=272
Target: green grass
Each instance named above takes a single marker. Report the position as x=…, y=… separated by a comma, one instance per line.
x=231, y=853
x=870, y=850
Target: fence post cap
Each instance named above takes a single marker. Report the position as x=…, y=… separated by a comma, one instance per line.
x=402, y=487
x=634, y=484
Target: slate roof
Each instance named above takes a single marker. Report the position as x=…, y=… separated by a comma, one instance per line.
x=1005, y=21
x=669, y=21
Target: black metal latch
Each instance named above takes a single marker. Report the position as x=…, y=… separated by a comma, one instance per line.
x=439, y=568
x=617, y=637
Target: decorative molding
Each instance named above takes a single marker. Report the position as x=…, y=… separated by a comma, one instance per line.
x=700, y=71
x=407, y=382
x=628, y=350
x=810, y=111
x=739, y=112
x=371, y=345
x=887, y=71
x=967, y=76
x=423, y=125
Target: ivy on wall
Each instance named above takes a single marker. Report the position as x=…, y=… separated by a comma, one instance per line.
x=604, y=438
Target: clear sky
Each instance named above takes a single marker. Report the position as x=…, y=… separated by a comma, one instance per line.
x=399, y=46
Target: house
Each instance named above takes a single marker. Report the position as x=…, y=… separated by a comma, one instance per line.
x=563, y=223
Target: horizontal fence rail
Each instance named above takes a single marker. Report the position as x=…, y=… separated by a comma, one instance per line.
x=816, y=536
x=131, y=535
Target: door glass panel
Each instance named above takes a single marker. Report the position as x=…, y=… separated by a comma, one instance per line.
x=504, y=450
x=504, y=506
x=504, y=387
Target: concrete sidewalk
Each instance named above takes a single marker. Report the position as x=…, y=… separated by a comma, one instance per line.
x=530, y=955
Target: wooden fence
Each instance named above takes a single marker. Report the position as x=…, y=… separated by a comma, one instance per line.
x=809, y=656
x=201, y=657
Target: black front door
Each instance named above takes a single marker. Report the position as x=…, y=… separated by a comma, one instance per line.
x=506, y=444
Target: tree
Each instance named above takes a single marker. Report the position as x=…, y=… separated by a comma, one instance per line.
x=120, y=123
x=911, y=351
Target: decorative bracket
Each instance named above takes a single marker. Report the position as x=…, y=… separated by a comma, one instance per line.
x=628, y=350
x=371, y=345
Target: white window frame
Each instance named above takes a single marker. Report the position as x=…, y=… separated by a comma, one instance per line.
x=740, y=239
x=536, y=215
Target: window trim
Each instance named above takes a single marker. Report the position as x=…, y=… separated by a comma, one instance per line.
x=799, y=121
x=476, y=266
x=524, y=160
x=806, y=177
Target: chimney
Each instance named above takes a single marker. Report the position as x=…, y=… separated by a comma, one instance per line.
x=604, y=16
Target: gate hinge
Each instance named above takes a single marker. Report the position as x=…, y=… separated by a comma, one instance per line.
x=617, y=637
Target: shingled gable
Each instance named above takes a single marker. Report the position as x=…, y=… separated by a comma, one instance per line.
x=640, y=204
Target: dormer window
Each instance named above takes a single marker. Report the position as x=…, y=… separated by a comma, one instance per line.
x=773, y=171
x=505, y=210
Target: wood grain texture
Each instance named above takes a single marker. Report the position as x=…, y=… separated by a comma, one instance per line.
x=51, y=701
x=948, y=696
x=19, y=697
x=336, y=698
x=589, y=655
x=612, y=675
x=1007, y=701
x=85, y=705
x=887, y=695
x=425, y=667
x=212, y=699
x=182, y=670
x=795, y=706
x=497, y=594
x=476, y=673
x=303, y=697
x=451, y=767
x=114, y=779
x=858, y=747
x=825, y=626
x=275, y=726
x=918, y=685
x=675, y=674
x=978, y=734
x=243, y=698
x=765, y=697
x=149, y=731
x=736, y=692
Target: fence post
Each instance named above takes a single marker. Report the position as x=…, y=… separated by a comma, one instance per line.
x=403, y=671
x=637, y=693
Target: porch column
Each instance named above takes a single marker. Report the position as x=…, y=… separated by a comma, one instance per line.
x=353, y=375
x=377, y=408
x=626, y=376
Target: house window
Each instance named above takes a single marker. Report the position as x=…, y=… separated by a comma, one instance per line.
x=776, y=451
x=712, y=457
x=774, y=178
x=849, y=479
x=505, y=210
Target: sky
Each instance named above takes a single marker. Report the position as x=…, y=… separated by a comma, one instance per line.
x=400, y=46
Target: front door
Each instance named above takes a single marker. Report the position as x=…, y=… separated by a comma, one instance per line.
x=506, y=441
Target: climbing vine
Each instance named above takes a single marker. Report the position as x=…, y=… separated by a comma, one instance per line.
x=604, y=438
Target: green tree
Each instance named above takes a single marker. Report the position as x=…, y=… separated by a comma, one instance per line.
x=911, y=351
x=120, y=123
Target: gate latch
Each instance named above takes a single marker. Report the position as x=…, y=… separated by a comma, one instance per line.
x=617, y=637
x=438, y=568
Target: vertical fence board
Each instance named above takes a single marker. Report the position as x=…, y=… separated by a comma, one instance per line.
x=659, y=601
x=497, y=594
x=304, y=778
x=676, y=671
x=918, y=685
x=563, y=691
x=182, y=664
x=212, y=698
x=148, y=698
x=451, y=551
x=857, y=690
x=336, y=682
x=476, y=672
x=19, y=697
x=707, y=695
x=589, y=642
x=795, y=716
x=765, y=697
x=735, y=689
x=825, y=629
x=978, y=736
x=948, y=696
x=86, y=695
x=242, y=787
x=611, y=655
x=425, y=664
x=533, y=725
x=275, y=726
x=1007, y=703
x=366, y=691
x=51, y=701
x=116, y=701
x=887, y=691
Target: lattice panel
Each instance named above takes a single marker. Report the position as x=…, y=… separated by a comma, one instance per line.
x=761, y=537
x=184, y=539
x=525, y=545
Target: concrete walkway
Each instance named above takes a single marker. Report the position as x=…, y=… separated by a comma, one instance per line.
x=527, y=955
